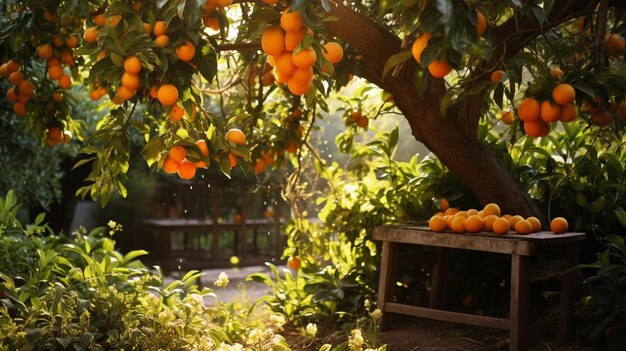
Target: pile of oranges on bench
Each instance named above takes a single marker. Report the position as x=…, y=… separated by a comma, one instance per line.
x=489, y=219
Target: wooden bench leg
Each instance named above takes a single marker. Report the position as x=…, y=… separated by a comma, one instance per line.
x=440, y=279
x=518, y=333
x=568, y=283
x=387, y=280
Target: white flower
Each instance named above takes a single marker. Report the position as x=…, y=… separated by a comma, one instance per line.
x=311, y=329
x=222, y=280
x=376, y=314
x=226, y=347
x=277, y=320
x=366, y=304
x=355, y=342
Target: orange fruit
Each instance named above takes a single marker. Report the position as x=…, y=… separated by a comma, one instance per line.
x=55, y=72
x=19, y=109
x=203, y=146
x=535, y=223
x=440, y=214
x=444, y=205
x=294, y=263
x=270, y=61
x=273, y=41
x=159, y=28
x=481, y=23
x=114, y=20
x=529, y=110
x=187, y=51
x=11, y=94
x=293, y=38
x=569, y=113
x=232, y=159
x=472, y=212
x=501, y=226
x=506, y=116
x=437, y=224
x=53, y=61
x=57, y=96
x=99, y=19
x=303, y=75
x=130, y=81
x=333, y=52
x=4, y=71
x=201, y=164
x=514, y=219
x=537, y=129
x=474, y=224
x=291, y=21
x=259, y=166
x=550, y=112
x=236, y=136
x=439, y=69
x=523, y=227
x=419, y=45
x=147, y=28
x=176, y=113
x=297, y=87
x=162, y=41
x=304, y=58
x=48, y=16
x=170, y=166
x=211, y=22
x=154, y=92
x=167, y=94
x=280, y=78
x=563, y=94
x=45, y=51
x=125, y=93
x=496, y=76
x=65, y=82
x=491, y=209
x=614, y=44
x=91, y=35
x=26, y=88
x=16, y=77
x=450, y=211
x=556, y=72
x=601, y=119
x=71, y=42
x=132, y=65
x=186, y=169
x=292, y=147
x=488, y=222
x=137, y=5
x=270, y=2
x=12, y=66
x=224, y=3
x=23, y=98
x=458, y=224
x=55, y=134
x=68, y=58
x=362, y=122
x=559, y=225
x=284, y=64
x=177, y=153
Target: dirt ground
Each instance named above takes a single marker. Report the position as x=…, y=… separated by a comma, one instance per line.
x=419, y=334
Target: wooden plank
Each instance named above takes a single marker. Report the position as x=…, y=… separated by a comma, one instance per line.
x=464, y=318
x=439, y=280
x=456, y=241
x=568, y=283
x=387, y=279
x=544, y=237
x=518, y=332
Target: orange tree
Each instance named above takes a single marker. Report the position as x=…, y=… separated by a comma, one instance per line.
x=445, y=62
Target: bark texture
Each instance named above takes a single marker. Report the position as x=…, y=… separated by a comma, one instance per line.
x=453, y=136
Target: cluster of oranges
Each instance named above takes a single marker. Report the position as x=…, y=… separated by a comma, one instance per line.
x=488, y=219
x=537, y=116
x=441, y=68
x=22, y=91
x=56, y=57
x=130, y=79
x=178, y=162
x=293, y=64
x=210, y=18
x=356, y=117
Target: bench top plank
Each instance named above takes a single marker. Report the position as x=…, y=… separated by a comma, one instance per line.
x=184, y=223
x=484, y=241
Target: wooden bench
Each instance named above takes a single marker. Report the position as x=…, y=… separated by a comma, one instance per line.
x=519, y=247
x=196, y=231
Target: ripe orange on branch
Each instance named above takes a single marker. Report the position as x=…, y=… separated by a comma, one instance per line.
x=291, y=21
x=186, y=52
x=167, y=94
x=132, y=65
x=419, y=45
x=496, y=76
x=177, y=153
x=550, y=112
x=333, y=52
x=529, y=110
x=439, y=69
x=273, y=41
x=236, y=136
x=304, y=58
x=564, y=94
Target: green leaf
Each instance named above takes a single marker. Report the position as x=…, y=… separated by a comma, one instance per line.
x=206, y=61
x=395, y=60
x=621, y=217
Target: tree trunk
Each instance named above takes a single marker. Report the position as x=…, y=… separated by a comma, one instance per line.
x=451, y=137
